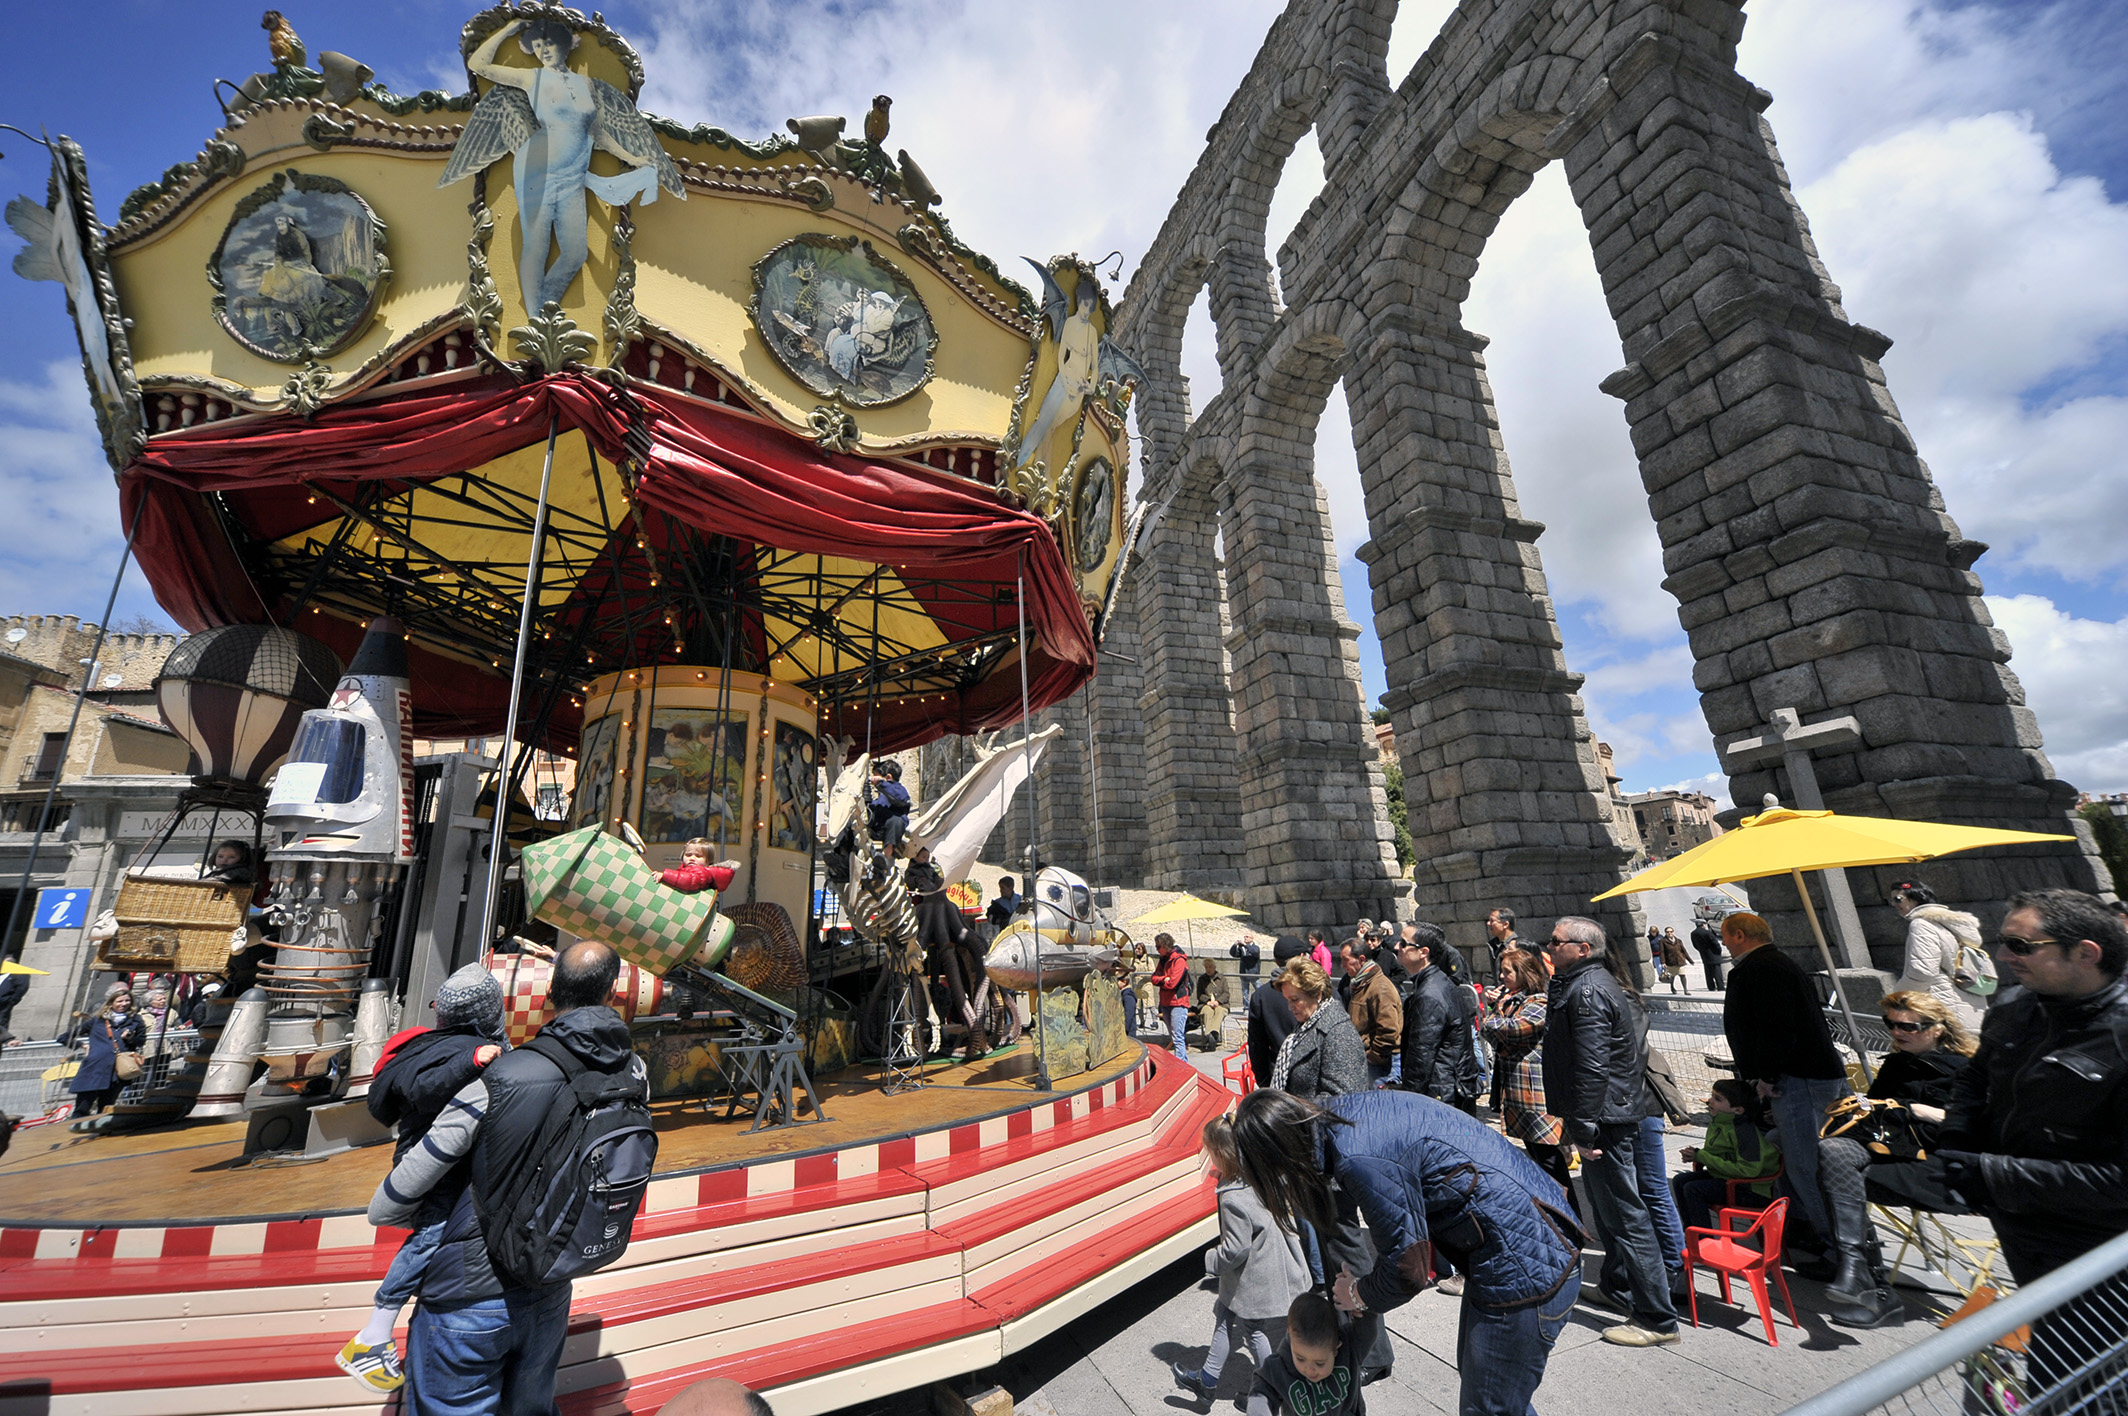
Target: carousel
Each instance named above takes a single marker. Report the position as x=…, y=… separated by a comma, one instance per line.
x=720, y=470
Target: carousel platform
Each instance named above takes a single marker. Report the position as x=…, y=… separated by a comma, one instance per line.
x=907, y=1238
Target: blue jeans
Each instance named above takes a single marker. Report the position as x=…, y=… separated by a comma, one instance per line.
x=1632, y=1256
x=403, y=1279
x=1699, y=1197
x=1799, y=1110
x=489, y=1357
x=1178, y=1022
x=1655, y=1189
x=1130, y=1014
x=1502, y=1355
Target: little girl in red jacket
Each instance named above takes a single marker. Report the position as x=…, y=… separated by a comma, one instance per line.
x=695, y=874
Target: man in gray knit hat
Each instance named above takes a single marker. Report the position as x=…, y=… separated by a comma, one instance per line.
x=419, y=1072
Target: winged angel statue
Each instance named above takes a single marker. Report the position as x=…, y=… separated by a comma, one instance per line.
x=1086, y=358
x=551, y=119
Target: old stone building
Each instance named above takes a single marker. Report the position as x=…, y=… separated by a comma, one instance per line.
x=115, y=787
x=1815, y=565
x=1671, y=822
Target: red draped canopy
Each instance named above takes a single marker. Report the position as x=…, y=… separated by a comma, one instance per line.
x=718, y=471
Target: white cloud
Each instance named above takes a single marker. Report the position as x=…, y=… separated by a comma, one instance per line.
x=1048, y=128
x=2070, y=668
x=1537, y=297
x=1998, y=277
x=1843, y=71
x=63, y=527
x=1714, y=784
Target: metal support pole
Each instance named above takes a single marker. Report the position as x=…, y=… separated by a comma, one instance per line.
x=498, y=836
x=1093, y=789
x=1839, y=994
x=66, y=747
x=1034, y=865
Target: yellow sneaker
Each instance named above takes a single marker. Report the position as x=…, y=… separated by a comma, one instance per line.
x=375, y=1367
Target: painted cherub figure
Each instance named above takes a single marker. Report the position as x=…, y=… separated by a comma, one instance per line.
x=551, y=119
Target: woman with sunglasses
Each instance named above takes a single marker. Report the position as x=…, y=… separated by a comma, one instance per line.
x=1930, y=1047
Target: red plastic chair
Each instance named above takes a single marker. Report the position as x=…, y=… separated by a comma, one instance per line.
x=1735, y=1189
x=1235, y=1072
x=1726, y=1251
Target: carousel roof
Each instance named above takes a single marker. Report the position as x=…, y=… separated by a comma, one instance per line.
x=796, y=427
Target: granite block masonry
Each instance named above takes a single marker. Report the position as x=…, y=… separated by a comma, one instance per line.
x=1814, y=562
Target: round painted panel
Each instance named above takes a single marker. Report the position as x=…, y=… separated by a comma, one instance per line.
x=844, y=322
x=300, y=268
x=1094, y=512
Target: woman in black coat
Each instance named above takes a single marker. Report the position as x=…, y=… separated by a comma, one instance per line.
x=1323, y=1056
x=114, y=1029
x=1930, y=1047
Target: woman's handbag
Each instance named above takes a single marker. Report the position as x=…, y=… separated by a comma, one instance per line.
x=126, y=1066
x=1886, y=1129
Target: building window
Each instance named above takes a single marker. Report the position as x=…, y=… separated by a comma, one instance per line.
x=22, y=815
x=47, y=766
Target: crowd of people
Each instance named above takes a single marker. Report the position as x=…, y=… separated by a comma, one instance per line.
x=1412, y=1126
x=1359, y=1173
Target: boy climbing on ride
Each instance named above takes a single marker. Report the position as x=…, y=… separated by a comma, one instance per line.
x=888, y=809
x=695, y=874
x=420, y=1070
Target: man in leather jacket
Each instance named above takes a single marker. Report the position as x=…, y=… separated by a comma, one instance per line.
x=1595, y=1081
x=2037, y=1136
x=1436, y=1047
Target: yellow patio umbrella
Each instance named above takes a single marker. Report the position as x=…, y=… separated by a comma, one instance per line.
x=1780, y=841
x=1185, y=910
x=16, y=966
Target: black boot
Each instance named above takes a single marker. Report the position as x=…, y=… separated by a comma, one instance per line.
x=1875, y=1306
x=1853, y=1278
x=1852, y=1237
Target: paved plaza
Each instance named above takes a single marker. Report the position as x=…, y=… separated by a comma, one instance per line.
x=1114, y=1361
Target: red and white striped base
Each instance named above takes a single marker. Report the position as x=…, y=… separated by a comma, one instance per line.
x=819, y=1279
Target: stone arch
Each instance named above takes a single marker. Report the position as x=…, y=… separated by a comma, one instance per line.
x=1814, y=563
x=1316, y=838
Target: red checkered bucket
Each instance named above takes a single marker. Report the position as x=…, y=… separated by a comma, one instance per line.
x=593, y=885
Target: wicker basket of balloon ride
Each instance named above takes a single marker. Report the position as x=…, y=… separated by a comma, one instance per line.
x=183, y=925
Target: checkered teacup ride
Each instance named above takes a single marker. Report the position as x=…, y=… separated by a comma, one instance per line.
x=595, y=885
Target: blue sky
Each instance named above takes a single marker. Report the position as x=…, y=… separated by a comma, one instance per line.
x=1964, y=166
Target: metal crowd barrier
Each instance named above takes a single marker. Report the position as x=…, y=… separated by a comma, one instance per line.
x=2056, y=1347
x=25, y=1093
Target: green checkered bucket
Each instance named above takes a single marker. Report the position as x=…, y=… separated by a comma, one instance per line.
x=591, y=884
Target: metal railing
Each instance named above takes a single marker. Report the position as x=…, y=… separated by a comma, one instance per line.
x=24, y=1092
x=2056, y=1347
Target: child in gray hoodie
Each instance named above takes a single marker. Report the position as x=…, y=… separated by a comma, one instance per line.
x=1260, y=1267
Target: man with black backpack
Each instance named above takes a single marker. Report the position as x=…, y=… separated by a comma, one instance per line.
x=557, y=1138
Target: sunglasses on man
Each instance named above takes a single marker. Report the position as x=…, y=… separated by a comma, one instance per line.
x=2022, y=948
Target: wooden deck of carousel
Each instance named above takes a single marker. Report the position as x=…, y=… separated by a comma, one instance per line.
x=907, y=1238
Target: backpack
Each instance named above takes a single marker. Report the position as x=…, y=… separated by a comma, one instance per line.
x=1975, y=971
x=569, y=1211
